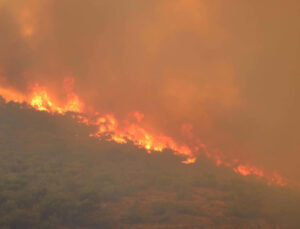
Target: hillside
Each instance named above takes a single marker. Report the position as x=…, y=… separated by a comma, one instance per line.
x=54, y=176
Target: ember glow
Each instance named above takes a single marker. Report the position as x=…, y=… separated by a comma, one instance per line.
x=124, y=131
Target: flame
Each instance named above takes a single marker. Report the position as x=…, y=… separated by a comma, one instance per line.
x=248, y=170
x=41, y=101
x=124, y=131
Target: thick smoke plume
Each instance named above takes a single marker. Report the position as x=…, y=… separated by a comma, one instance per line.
x=226, y=72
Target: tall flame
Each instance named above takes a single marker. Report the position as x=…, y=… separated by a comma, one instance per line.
x=124, y=131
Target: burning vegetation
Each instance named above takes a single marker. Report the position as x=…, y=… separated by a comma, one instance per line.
x=134, y=110
x=53, y=175
x=130, y=130
x=185, y=75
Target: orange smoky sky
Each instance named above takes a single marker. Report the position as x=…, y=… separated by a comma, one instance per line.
x=226, y=71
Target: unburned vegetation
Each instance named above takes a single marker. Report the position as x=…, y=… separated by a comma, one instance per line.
x=54, y=176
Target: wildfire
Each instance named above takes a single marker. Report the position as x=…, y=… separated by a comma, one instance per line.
x=124, y=131
x=247, y=170
x=41, y=101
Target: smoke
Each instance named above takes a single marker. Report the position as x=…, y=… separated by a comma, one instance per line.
x=229, y=70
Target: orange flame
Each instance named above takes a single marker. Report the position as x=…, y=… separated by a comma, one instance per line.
x=41, y=101
x=125, y=131
x=248, y=170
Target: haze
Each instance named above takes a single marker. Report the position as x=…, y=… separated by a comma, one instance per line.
x=230, y=70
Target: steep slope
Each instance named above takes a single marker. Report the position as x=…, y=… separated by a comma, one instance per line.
x=53, y=175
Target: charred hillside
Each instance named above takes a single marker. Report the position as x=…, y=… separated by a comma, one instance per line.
x=53, y=175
